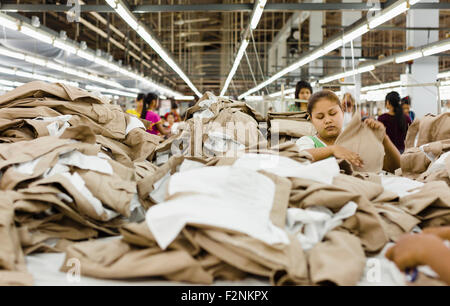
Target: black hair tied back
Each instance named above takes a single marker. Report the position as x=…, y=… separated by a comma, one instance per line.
x=394, y=99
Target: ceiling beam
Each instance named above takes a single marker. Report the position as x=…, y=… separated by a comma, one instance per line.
x=218, y=7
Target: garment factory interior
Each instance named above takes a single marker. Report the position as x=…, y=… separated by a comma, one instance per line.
x=241, y=142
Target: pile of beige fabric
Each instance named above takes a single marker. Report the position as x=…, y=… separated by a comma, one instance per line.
x=212, y=202
x=288, y=126
x=69, y=163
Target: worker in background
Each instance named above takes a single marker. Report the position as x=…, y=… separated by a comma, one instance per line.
x=148, y=112
x=303, y=91
x=426, y=248
x=395, y=121
x=348, y=106
x=139, y=106
x=327, y=116
x=174, y=110
x=406, y=105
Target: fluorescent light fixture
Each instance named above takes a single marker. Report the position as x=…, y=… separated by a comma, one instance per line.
x=408, y=57
x=86, y=55
x=259, y=9
x=365, y=69
x=6, y=88
x=235, y=66
x=286, y=92
x=10, y=83
x=8, y=22
x=254, y=98
x=111, y=3
x=363, y=29
x=113, y=91
x=127, y=16
x=333, y=45
x=388, y=14
x=412, y=2
x=36, y=34
x=58, y=43
x=187, y=98
x=54, y=66
x=436, y=49
x=9, y=53
x=35, y=60
x=346, y=74
x=7, y=71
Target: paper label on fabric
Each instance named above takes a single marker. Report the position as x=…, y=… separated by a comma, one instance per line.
x=223, y=204
x=133, y=124
x=322, y=171
x=401, y=186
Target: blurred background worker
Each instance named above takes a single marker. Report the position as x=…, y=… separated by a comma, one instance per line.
x=139, y=106
x=303, y=91
x=149, y=113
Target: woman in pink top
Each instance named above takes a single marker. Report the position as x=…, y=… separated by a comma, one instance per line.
x=156, y=127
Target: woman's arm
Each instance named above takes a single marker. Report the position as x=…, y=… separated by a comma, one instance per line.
x=413, y=250
x=338, y=152
x=162, y=129
x=392, y=155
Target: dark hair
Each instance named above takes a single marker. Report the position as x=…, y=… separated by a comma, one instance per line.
x=147, y=103
x=406, y=100
x=302, y=84
x=394, y=99
x=324, y=94
x=140, y=96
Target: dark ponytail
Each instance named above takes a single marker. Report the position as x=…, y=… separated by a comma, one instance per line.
x=394, y=99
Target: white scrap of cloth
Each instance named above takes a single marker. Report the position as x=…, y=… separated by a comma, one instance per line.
x=439, y=163
x=86, y=162
x=322, y=171
x=53, y=128
x=134, y=123
x=219, y=142
x=401, y=186
x=310, y=225
x=77, y=181
x=235, y=199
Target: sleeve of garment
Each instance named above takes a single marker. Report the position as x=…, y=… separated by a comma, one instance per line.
x=381, y=119
x=305, y=143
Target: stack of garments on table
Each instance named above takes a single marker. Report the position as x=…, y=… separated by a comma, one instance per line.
x=213, y=127
x=288, y=126
x=69, y=163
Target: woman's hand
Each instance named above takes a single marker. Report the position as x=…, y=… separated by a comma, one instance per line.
x=412, y=250
x=374, y=124
x=342, y=153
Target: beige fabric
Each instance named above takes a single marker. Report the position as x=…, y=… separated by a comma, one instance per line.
x=359, y=138
x=339, y=260
x=12, y=260
x=292, y=128
x=428, y=129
